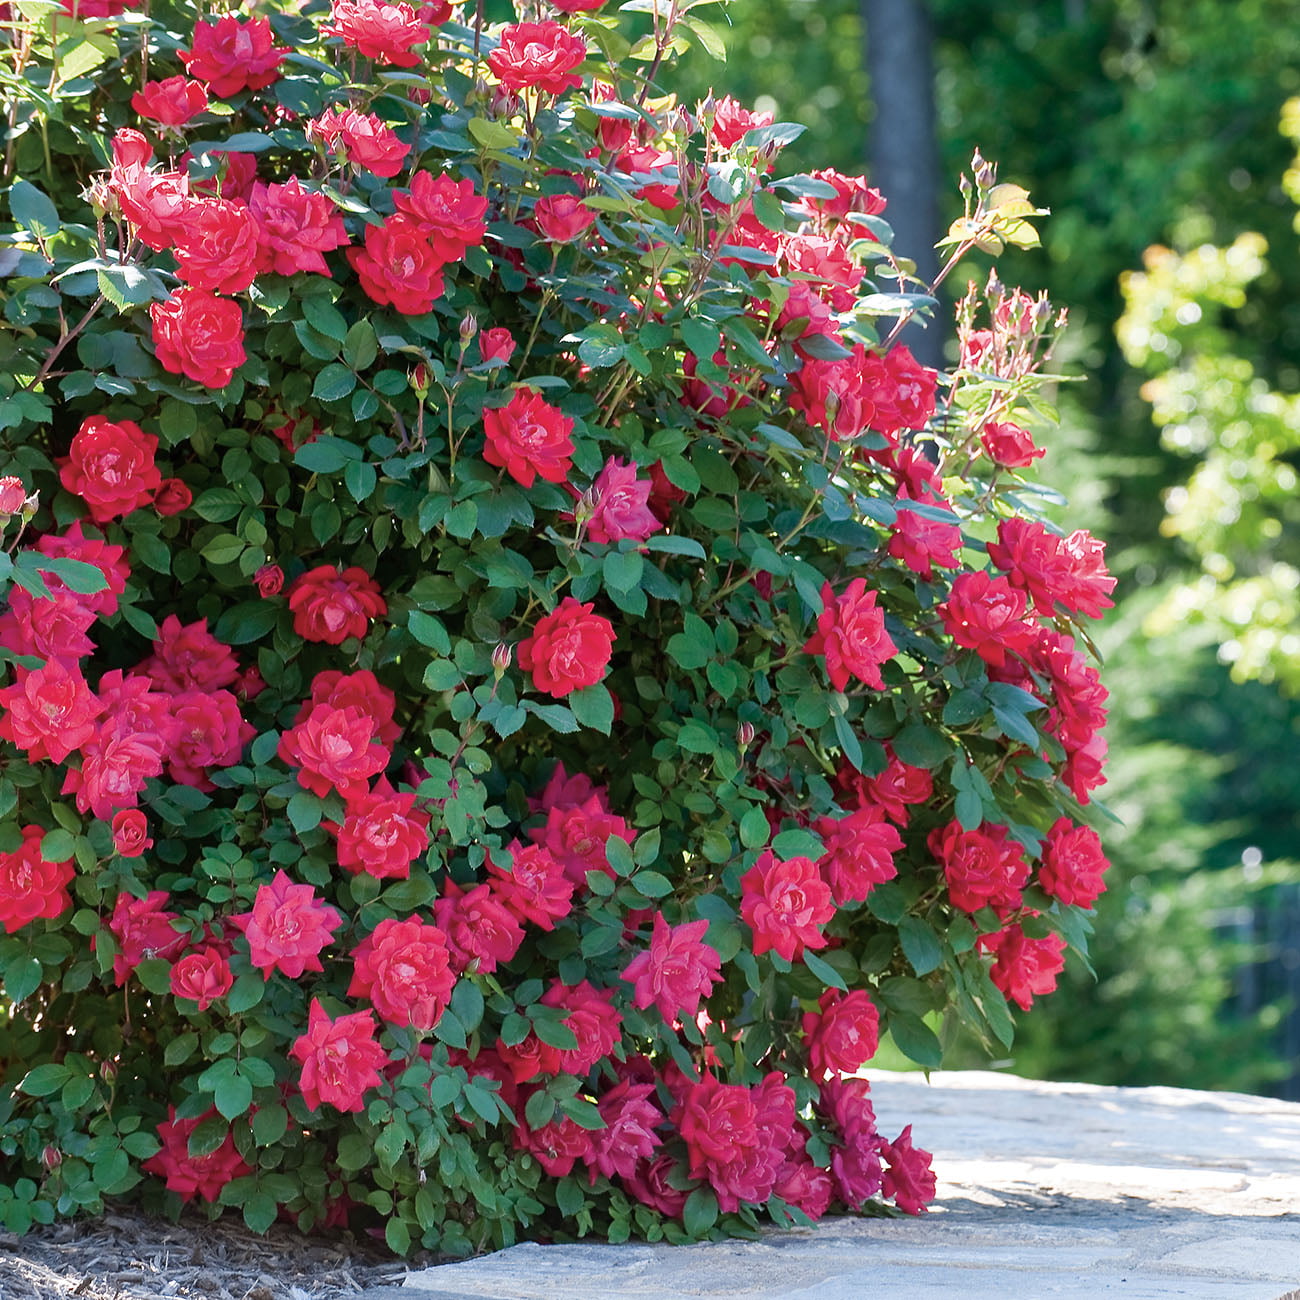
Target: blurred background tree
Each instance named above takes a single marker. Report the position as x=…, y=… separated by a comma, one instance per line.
x=1140, y=123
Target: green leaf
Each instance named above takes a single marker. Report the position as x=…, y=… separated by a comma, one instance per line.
x=260, y=1211
x=555, y=1034
x=652, y=884
x=397, y=1234
x=622, y=569
x=593, y=707
x=492, y=134
x=915, y=1039
x=333, y=383
x=700, y=1212
x=57, y=846
x=922, y=746
x=33, y=210
x=429, y=631
x=702, y=337
x=824, y=971
x=43, y=1080
x=569, y=1196
x=22, y=978
x=246, y=992
x=233, y=1095
x=270, y=1124
x=921, y=945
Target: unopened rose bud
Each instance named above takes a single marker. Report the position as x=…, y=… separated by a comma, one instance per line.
x=468, y=328
x=108, y=1071
x=419, y=380
x=30, y=507
x=745, y=735
x=51, y=1157
x=502, y=657
x=1042, y=310
x=102, y=198
x=986, y=176
x=963, y=183
x=585, y=506
x=994, y=288
x=13, y=496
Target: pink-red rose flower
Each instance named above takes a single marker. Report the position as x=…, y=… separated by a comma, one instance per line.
x=529, y=438
x=851, y=635
x=202, y=976
x=49, y=712
x=496, y=344
x=592, y=1018
x=397, y=267
x=621, y=505
x=676, y=971
x=234, y=54
x=569, y=648
x=1023, y=968
x=334, y=749
x=174, y=497
x=110, y=466
x=269, y=580
x=171, y=102
x=296, y=227
x=859, y=853
x=340, y=1059
x=143, y=929
x=382, y=834
x=331, y=604
x=983, y=867
x=210, y=732
x=533, y=887
x=785, y=904
x=450, y=215
x=287, y=928
x=217, y=247
x=842, y=1035
x=988, y=615
x=32, y=887
x=563, y=217
x=131, y=833
x=576, y=835
x=364, y=139
x=200, y=336
x=908, y=1181
x=1009, y=445
x=1074, y=864
x=387, y=33
x=404, y=968
x=538, y=56
x=631, y=1118
x=481, y=931
x=13, y=492
x=190, y=1176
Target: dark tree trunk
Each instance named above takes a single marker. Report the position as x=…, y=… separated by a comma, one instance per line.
x=903, y=148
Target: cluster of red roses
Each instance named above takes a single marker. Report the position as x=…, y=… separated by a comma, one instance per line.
x=179, y=714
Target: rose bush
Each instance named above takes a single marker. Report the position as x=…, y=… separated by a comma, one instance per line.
x=515, y=684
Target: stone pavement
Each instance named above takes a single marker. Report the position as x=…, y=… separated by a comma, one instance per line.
x=1045, y=1190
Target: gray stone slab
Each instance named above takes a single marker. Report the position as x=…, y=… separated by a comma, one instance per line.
x=1045, y=1190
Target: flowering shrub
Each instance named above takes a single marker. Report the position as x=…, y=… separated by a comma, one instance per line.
x=515, y=684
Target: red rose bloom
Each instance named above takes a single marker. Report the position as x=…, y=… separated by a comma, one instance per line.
x=621, y=505
x=842, y=1034
x=32, y=887
x=386, y=33
x=216, y=249
x=495, y=344
x=110, y=466
x=359, y=690
x=1009, y=445
x=538, y=56
x=909, y=1181
x=202, y=976
x=562, y=217
x=187, y=657
x=131, y=833
x=851, y=634
x=481, y=932
x=190, y=1176
x=382, y=833
x=987, y=614
x=363, y=138
x=270, y=580
x=450, y=215
x=529, y=438
x=568, y=650
x=921, y=543
x=398, y=267
x=295, y=227
x=785, y=904
x=677, y=970
x=234, y=54
x=154, y=203
x=576, y=834
x=340, y=1059
x=143, y=929
x=49, y=711
x=1023, y=968
x=334, y=749
x=983, y=867
x=287, y=928
x=631, y=1118
x=859, y=853
x=199, y=335
x=209, y=732
x=331, y=604
x=174, y=497
x=593, y=1019
x=1073, y=864
x=403, y=967
x=170, y=103
x=534, y=887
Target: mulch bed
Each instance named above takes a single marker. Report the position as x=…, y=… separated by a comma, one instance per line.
x=133, y=1257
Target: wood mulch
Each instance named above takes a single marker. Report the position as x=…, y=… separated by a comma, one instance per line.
x=133, y=1257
